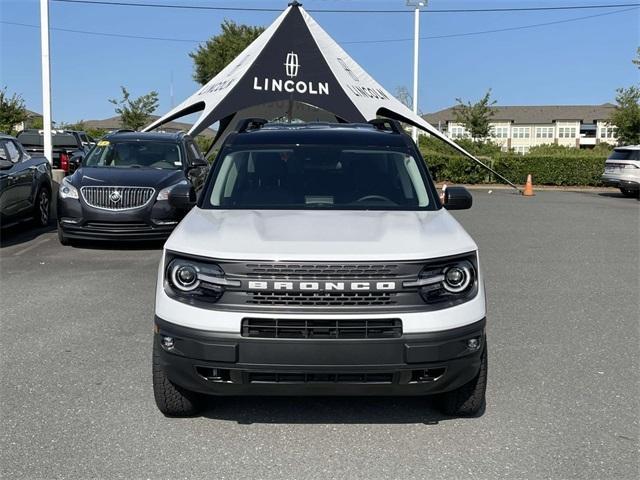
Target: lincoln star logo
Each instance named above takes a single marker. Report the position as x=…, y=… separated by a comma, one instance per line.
x=291, y=69
x=292, y=65
x=115, y=196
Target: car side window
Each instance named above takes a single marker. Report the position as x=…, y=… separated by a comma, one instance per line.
x=12, y=150
x=3, y=152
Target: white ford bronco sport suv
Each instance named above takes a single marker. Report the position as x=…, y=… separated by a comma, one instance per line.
x=319, y=260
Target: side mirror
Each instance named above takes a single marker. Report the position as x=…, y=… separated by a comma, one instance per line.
x=182, y=197
x=198, y=163
x=6, y=164
x=457, y=198
x=74, y=162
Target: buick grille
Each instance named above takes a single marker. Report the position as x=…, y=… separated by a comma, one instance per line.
x=117, y=198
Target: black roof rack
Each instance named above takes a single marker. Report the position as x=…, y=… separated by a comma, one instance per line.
x=250, y=124
x=386, y=124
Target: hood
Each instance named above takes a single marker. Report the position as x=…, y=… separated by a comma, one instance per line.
x=135, y=177
x=319, y=235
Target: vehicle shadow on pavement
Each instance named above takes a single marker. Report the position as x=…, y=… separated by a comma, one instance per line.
x=326, y=410
x=613, y=195
x=22, y=233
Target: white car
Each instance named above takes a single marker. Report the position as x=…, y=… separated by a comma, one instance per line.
x=320, y=260
x=622, y=170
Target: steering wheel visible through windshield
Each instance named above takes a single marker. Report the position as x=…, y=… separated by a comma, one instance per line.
x=135, y=154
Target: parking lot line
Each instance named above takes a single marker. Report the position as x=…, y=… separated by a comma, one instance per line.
x=31, y=247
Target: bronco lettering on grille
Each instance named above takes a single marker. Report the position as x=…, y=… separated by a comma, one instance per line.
x=321, y=286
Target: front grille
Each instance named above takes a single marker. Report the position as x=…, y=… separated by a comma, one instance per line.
x=117, y=198
x=276, y=377
x=321, y=329
x=319, y=299
x=323, y=270
x=294, y=296
x=117, y=225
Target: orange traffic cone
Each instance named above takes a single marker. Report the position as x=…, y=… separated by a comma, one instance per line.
x=528, y=188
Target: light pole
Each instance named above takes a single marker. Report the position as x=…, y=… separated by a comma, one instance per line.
x=418, y=4
x=46, y=78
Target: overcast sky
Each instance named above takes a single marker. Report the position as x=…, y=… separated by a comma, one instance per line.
x=581, y=61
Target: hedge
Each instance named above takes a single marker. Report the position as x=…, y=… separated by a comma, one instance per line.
x=545, y=170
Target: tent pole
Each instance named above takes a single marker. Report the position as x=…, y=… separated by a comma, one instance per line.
x=416, y=45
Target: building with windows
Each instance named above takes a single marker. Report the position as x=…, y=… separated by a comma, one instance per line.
x=33, y=120
x=522, y=127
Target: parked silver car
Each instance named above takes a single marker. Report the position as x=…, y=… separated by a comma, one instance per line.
x=622, y=170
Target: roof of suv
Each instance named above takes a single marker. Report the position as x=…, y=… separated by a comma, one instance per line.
x=156, y=136
x=363, y=134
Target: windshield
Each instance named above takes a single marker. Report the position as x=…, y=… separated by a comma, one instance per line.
x=624, y=154
x=135, y=154
x=319, y=177
x=37, y=140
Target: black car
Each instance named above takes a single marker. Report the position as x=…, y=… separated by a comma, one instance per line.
x=25, y=184
x=68, y=146
x=121, y=191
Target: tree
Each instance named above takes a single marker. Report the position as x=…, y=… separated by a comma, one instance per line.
x=636, y=61
x=135, y=113
x=12, y=111
x=209, y=59
x=475, y=117
x=626, y=116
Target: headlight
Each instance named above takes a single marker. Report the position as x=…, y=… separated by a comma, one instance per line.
x=164, y=193
x=195, y=280
x=451, y=280
x=67, y=190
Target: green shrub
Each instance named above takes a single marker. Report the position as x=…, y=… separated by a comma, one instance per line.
x=569, y=169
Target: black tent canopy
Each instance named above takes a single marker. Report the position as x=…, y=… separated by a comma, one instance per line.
x=294, y=68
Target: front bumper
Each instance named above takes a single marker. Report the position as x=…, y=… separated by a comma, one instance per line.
x=619, y=181
x=115, y=231
x=229, y=364
x=78, y=220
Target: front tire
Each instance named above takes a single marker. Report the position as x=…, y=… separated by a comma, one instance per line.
x=171, y=399
x=42, y=207
x=468, y=399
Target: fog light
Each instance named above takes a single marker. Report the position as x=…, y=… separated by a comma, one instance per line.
x=473, y=343
x=167, y=342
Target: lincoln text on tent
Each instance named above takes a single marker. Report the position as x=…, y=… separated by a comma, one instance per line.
x=290, y=86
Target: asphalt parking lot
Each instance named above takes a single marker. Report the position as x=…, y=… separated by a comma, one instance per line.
x=563, y=276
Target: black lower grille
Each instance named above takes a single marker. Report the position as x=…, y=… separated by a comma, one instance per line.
x=116, y=225
x=312, y=299
x=276, y=377
x=320, y=329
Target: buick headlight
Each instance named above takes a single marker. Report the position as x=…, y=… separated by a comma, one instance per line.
x=67, y=190
x=191, y=280
x=164, y=193
x=451, y=280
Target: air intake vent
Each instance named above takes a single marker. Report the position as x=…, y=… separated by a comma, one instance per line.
x=321, y=329
x=277, y=377
x=319, y=299
x=323, y=270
